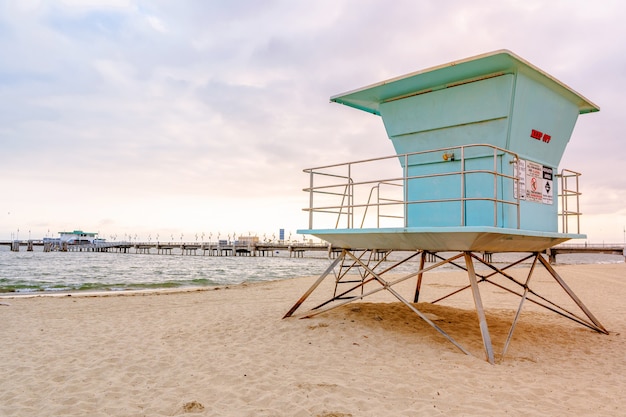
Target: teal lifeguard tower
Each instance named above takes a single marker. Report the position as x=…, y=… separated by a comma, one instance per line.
x=478, y=144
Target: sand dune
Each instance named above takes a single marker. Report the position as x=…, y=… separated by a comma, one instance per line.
x=226, y=352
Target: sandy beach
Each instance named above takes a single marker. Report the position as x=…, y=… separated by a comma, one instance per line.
x=227, y=352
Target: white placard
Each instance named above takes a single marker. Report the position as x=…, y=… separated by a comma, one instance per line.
x=535, y=182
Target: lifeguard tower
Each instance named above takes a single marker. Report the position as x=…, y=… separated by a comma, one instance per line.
x=478, y=143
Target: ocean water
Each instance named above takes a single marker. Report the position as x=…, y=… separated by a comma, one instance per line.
x=36, y=271
x=31, y=272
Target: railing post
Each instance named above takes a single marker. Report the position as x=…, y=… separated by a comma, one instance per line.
x=406, y=190
x=462, y=185
x=517, y=178
x=495, y=187
x=377, y=206
x=350, y=198
x=577, y=205
x=562, y=201
x=311, y=199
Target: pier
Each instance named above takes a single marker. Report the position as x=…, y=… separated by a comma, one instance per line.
x=245, y=248
x=295, y=249
x=606, y=249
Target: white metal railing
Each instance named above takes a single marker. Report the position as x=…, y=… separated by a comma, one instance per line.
x=337, y=189
x=379, y=199
x=569, y=198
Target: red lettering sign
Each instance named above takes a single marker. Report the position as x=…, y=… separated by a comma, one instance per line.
x=544, y=137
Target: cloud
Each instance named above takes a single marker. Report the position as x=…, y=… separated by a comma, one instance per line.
x=134, y=105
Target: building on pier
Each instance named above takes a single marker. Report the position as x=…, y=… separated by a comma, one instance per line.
x=77, y=237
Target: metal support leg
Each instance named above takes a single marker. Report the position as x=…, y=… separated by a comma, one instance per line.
x=519, y=309
x=419, y=277
x=484, y=330
x=315, y=284
x=598, y=326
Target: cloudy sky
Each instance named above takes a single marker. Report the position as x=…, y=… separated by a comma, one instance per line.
x=186, y=117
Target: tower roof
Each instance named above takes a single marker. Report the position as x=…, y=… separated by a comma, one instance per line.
x=471, y=69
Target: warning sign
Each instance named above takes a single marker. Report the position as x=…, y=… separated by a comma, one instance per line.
x=548, y=186
x=534, y=178
x=535, y=182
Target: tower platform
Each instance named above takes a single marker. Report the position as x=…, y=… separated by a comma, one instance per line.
x=439, y=239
